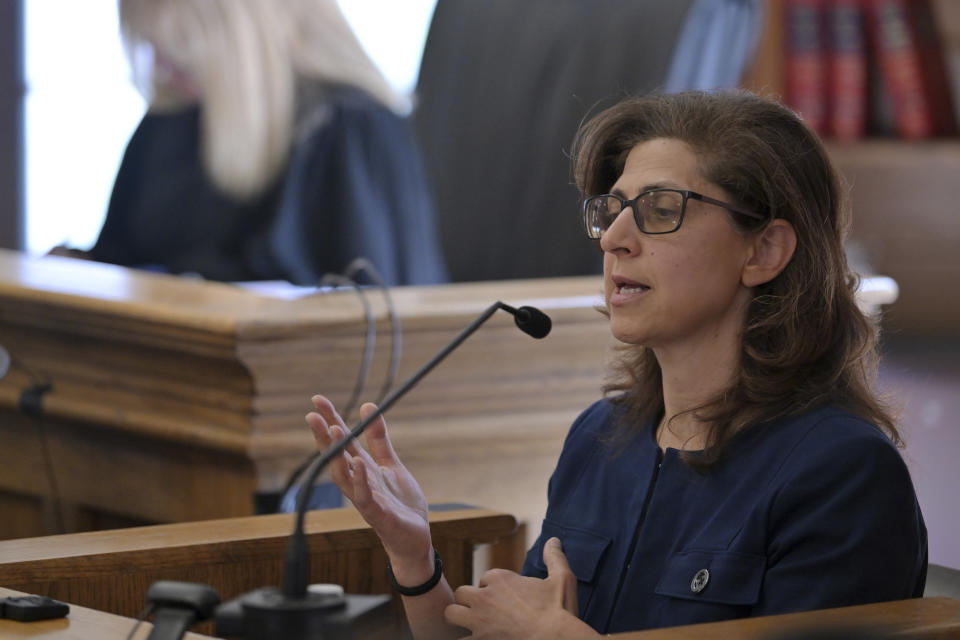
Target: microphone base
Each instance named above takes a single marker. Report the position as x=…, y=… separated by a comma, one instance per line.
x=267, y=613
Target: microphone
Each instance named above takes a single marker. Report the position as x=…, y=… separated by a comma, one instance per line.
x=295, y=609
x=531, y=320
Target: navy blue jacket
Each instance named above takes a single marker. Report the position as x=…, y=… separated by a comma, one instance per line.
x=812, y=512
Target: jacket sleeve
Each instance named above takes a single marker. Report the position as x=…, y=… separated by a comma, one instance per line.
x=844, y=524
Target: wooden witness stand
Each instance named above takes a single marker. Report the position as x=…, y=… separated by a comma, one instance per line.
x=922, y=619
x=112, y=570
x=176, y=400
x=108, y=573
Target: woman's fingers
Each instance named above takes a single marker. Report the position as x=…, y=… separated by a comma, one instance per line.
x=466, y=594
x=321, y=430
x=326, y=410
x=349, y=471
x=334, y=423
x=329, y=414
x=326, y=436
x=457, y=615
x=376, y=432
x=339, y=467
x=362, y=497
x=559, y=569
x=377, y=437
x=353, y=447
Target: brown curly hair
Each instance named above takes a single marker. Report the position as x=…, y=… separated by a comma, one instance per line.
x=805, y=342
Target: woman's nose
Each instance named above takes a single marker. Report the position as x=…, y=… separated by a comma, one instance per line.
x=622, y=233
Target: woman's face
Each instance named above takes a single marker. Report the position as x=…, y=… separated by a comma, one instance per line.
x=676, y=289
x=175, y=78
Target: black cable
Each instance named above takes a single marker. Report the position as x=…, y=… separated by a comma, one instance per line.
x=147, y=610
x=31, y=405
x=369, y=343
x=360, y=265
x=48, y=457
x=171, y=623
x=396, y=334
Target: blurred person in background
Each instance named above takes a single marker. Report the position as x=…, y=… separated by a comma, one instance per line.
x=272, y=148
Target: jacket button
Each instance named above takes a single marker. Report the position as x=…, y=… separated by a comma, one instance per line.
x=700, y=581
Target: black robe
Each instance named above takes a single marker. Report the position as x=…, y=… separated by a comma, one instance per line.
x=354, y=186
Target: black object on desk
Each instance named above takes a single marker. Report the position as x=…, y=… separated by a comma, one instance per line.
x=32, y=608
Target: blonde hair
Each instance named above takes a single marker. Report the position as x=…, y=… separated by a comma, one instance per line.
x=245, y=58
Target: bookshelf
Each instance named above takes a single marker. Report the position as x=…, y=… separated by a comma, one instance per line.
x=903, y=192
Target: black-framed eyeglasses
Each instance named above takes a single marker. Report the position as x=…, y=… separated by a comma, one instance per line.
x=655, y=211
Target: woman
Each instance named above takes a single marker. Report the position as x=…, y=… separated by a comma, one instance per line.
x=741, y=465
x=272, y=149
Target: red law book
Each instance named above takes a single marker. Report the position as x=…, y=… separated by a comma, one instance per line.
x=936, y=80
x=895, y=47
x=805, y=70
x=847, y=70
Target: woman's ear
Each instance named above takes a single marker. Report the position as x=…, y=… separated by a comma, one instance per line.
x=772, y=249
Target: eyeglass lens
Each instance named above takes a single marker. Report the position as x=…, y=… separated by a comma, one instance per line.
x=654, y=212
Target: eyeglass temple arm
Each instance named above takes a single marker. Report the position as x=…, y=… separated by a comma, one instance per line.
x=725, y=205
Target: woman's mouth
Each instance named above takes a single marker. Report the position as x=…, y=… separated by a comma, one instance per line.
x=625, y=289
x=630, y=289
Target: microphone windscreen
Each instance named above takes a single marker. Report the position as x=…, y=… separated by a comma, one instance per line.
x=533, y=322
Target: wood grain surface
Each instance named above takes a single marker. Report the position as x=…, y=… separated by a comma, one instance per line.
x=917, y=619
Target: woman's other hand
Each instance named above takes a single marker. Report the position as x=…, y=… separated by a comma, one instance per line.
x=508, y=605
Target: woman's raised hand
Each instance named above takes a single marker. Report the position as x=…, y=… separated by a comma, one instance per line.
x=378, y=485
x=391, y=502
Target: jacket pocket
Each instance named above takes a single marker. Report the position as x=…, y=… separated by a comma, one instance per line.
x=584, y=550
x=716, y=577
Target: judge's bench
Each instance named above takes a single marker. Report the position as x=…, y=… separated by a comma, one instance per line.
x=136, y=398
